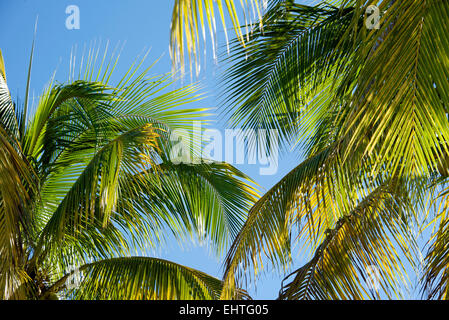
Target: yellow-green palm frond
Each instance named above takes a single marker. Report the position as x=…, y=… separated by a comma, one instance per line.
x=138, y=278
x=437, y=264
x=317, y=196
x=191, y=18
x=2, y=67
x=17, y=189
x=358, y=258
x=272, y=81
x=207, y=201
x=374, y=96
x=268, y=229
x=107, y=183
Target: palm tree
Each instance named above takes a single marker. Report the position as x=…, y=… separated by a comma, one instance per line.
x=87, y=180
x=369, y=108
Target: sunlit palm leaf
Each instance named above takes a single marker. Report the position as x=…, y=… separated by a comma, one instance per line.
x=205, y=200
x=360, y=241
x=436, y=262
x=190, y=19
x=141, y=278
x=371, y=96
x=284, y=65
x=16, y=228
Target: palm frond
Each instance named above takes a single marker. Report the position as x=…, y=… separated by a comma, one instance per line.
x=436, y=262
x=364, y=239
x=286, y=64
x=397, y=98
x=52, y=99
x=190, y=19
x=267, y=229
x=93, y=196
x=8, y=118
x=140, y=278
x=204, y=200
x=16, y=189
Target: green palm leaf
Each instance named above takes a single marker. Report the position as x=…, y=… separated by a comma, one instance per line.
x=190, y=19
x=284, y=65
x=139, y=278
x=359, y=242
x=90, y=180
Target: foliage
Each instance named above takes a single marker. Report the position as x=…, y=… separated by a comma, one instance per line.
x=369, y=108
x=87, y=179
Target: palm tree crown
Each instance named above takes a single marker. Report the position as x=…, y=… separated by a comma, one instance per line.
x=87, y=180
